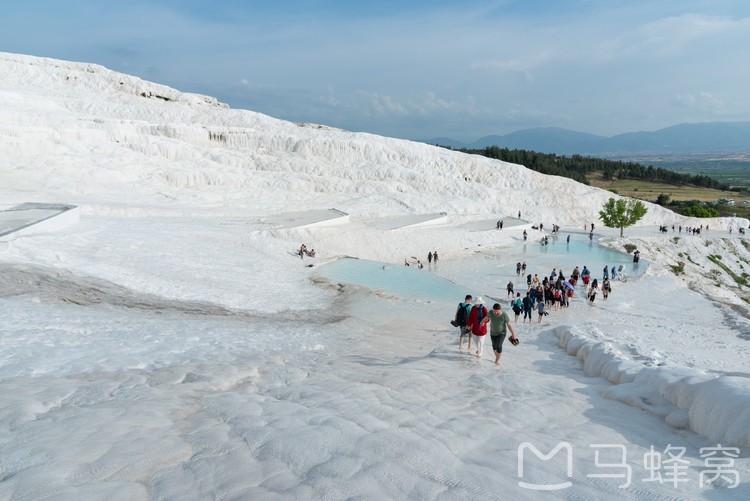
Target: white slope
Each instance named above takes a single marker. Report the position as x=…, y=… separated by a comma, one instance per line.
x=171, y=345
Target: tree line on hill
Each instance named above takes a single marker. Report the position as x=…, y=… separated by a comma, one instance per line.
x=577, y=166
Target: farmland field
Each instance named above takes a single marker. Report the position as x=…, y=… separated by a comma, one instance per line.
x=733, y=169
x=648, y=190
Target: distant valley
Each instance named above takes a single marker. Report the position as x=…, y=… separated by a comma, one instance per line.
x=728, y=139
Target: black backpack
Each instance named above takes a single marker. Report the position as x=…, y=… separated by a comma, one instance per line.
x=462, y=314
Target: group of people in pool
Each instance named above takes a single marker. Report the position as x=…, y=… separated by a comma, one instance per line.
x=431, y=256
x=554, y=292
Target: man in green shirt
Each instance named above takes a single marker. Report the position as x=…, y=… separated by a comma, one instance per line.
x=499, y=323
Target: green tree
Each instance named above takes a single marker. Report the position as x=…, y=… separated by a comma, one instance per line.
x=622, y=213
x=662, y=199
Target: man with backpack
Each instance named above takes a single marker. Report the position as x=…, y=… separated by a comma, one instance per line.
x=461, y=321
x=517, y=305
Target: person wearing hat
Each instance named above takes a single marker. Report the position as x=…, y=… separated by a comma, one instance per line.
x=499, y=324
x=478, y=321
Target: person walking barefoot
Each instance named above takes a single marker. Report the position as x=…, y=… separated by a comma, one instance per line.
x=499, y=324
x=478, y=321
x=461, y=320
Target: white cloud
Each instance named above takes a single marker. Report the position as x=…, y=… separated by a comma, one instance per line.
x=522, y=65
x=671, y=36
x=700, y=101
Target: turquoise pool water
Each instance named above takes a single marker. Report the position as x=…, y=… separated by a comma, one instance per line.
x=404, y=281
x=579, y=252
x=483, y=273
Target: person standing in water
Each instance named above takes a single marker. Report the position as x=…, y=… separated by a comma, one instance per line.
x=499, y=324
x=510, y=289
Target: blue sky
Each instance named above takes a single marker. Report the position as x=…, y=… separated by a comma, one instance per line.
x=419, y=69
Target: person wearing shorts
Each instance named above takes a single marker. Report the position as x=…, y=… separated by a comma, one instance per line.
x=517, y=306
x=540, y=307
x=499, y=324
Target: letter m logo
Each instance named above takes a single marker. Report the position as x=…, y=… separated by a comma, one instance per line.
x=526, y=446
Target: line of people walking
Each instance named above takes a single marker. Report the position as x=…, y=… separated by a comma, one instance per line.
x=552, y=292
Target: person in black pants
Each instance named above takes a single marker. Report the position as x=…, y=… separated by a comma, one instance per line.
x=528, y=305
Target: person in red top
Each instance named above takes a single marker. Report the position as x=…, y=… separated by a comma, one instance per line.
x=478, y=321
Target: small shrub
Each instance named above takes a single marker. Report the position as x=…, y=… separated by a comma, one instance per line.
x=707, y=242
x=676, y=239
x=698, y=211
x=680, y=254
x=662, y=199
x=630, y=248
x=678, y=269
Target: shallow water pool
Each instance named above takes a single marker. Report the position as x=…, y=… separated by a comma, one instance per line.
x=581, y=251
x=404, y=281
x=483, y=273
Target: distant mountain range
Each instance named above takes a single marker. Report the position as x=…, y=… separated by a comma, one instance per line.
x=709, y=137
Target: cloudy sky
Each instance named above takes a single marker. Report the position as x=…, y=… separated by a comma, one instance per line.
x=419, y=69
